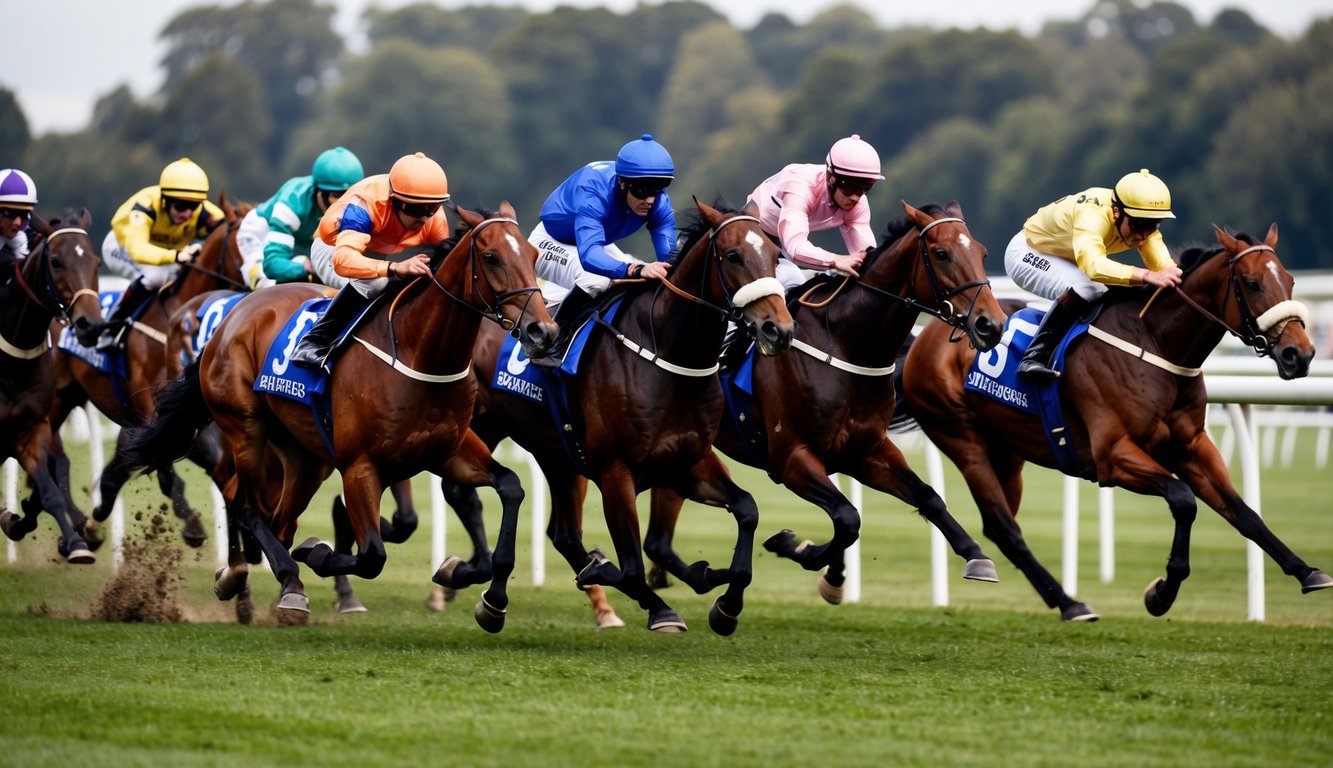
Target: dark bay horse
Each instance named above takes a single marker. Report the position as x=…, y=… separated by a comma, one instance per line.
x=826, y=407
x=56, y=281
x=1134, y=423
x=645, y=405
x=128, y=400
x=401, y=400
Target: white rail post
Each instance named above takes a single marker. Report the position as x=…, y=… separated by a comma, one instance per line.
x=539, y=497
x=437, y=521
x=1070, y=565
x=939, y=568
x=221, y=544
x=852, y=558
x=96, y=462
x=11, y=502
x=1106, y=521
x=1242, y=420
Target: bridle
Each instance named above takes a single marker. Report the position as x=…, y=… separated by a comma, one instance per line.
x=736, y=300
x=1253, y=330
x=490, y=308
x=51, y=300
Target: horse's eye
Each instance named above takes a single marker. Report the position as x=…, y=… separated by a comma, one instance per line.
x=942, y=254
x=733, y=257
x=1253, y=286
x=57, y=263
x=491, y=258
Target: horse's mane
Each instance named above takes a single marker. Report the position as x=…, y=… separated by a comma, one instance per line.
x=902, y=225
x=696, y=226
x=441, y=249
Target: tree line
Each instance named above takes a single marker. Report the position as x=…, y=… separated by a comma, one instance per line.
x=1238, y=121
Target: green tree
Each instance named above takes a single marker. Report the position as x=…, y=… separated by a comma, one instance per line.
x=288, y=45
x=782, y=48
x=14, y=133
x=714, y=65
x=475, y=26
x=448, y=102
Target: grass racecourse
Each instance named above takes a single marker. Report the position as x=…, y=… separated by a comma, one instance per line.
x=994, y=679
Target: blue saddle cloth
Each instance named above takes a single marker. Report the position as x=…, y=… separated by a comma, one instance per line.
x=994, y=373
x=278, y=376
x=738, y=392
x=210, y=316
x=515, y=374
x=111, y=363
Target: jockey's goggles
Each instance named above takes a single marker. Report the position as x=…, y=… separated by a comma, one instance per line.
x=9, y=214
x=182, y=206
x=644, y=191
x=1143, y=227
x=417, y=210
x=852, y=187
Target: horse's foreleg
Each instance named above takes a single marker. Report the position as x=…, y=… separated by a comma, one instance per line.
x=622, y=521
x=885, y=469
x=466, y=504
x=32, y=454
x=1207, y=476
x=808, y=478
x=362, y=490
x=405, y=518
x=59, y=467
x=712, y=485
x=658, y=545
x=343, y=540
x=472, y=465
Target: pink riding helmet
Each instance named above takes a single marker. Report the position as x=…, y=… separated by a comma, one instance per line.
x=853, y=157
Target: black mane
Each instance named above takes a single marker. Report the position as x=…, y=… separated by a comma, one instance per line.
x=902, y=225
x=696, y=226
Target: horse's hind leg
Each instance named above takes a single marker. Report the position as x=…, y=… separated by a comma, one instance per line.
x=622, y=521
x=32, y=454
x=565, y=530
x=658, y=546
x=713, y=485
x=405, y=519
x=886, y=470
x=173, y=487
x=343, y=539
x=809, y=479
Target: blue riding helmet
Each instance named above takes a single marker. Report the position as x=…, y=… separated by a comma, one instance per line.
x=644, y=158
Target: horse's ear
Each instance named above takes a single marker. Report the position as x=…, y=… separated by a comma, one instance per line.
x=1271, y=238
x=709, y=212
x=1226, y=240
x=85, y=218
x=507, y=210
x=954, y=209
x=751, y=209
x=919, y=218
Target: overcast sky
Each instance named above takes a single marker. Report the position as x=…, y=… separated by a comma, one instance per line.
x=64, y=54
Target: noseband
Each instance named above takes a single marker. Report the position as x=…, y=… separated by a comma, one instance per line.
x=1253, y=330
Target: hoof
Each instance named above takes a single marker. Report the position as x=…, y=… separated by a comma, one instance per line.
x=436, y=600
x=1316, y=579
x=80, y=555
x=11, y=531
x=444, y=575
x=488, y=617
x=230, y=582
x=1079, y=612
x=350, y=604
x=92, y=534
x=608, y=620
x=720, y=621
x=301, y=553
x=245, y=608
x=667, y=622
x=599, y=570
x=831, y=594
x=295, y=602
x=1153, y=600
x=194, y=533
x=981, y=569
x=782, y=543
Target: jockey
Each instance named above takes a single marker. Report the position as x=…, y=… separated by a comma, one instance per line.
x=271, y=235
x=18, y=198
x=598, y=204
x=151, y=233
x=805, y=198
x=376, y=217
x=1062, y=254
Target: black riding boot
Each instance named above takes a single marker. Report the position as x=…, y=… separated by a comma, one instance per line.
x=570, y=308
x=1064, y=311
x=113, y=330
x=315, y=349
x=734, y=348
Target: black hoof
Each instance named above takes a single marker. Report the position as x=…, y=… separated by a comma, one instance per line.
x=782, y=543
x=1079, y=612
x=720, y=621
x=667, y=621
x=1153, y=599
x=488, y=617
x=194, y=533
x=447, y=573
x=599, y=570
x=658, y=578
x=301, y=553
x=1315, y=580
x=92, y=534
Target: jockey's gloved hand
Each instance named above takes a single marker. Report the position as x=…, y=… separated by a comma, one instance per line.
x=189, y=252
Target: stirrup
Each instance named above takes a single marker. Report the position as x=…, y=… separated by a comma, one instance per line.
x=1037, y=371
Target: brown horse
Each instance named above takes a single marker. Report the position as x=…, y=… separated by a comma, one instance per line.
x=1134, y=420
x=128, y=400
x=645, y=405
x=184, y=332
x=401, y=400
x=827, y=410
x=58, y=280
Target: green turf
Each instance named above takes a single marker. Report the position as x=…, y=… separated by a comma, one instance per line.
x=994, y=679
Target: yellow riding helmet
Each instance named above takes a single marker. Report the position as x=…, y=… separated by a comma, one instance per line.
x=416, y=178
x=1143, y=196
x=185, y=180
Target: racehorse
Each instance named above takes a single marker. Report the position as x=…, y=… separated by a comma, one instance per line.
x=827, y=410
x=644, y=405
x=400, y=400
x=58, y=280
x=128, y=400
x=1134, y=420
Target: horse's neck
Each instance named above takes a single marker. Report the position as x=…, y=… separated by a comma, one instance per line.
x=1170, y=328
x=675, y=327
x=433, y=333
x=24, y=320
x=868, y=324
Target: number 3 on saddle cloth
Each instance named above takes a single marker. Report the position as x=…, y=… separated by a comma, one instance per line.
x=279, y=376
x=994, y=374
x=517, y=375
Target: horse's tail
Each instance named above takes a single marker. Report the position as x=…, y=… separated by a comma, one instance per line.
x=181, y=414
x=903, y=418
